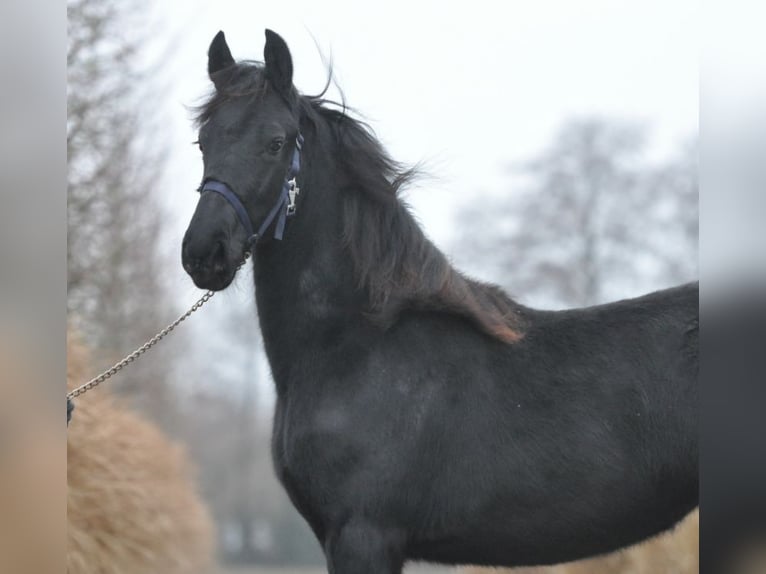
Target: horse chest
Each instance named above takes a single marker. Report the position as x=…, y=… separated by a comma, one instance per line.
x=311, y=452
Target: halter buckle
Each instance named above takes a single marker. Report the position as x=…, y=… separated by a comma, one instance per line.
x=292, y=193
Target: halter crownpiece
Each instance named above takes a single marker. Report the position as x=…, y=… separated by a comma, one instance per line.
x=284, y=207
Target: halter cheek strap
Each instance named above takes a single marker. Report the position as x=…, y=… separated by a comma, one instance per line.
x=284, y=207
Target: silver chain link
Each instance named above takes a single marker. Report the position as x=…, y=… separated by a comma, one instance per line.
x=117, y=367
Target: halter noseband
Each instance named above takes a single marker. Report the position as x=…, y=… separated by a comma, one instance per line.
x=284, y=207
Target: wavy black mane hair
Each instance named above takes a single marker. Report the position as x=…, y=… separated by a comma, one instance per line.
x=394, y=262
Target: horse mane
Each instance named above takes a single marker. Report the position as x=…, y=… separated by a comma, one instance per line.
x=394, y=262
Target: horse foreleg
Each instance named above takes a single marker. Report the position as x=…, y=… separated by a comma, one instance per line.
x=364, y=549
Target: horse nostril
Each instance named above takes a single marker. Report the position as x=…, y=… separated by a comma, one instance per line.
x=218, y=257
x=205, y=261
x=193, y=264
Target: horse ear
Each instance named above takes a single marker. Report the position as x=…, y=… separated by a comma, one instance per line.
x=279, y=63
x=218, y=56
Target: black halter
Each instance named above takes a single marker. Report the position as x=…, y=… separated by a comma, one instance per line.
x=284, y=207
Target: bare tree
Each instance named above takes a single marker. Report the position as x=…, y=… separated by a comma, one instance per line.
x=673, y=189
x=590, y=219
x=116, y=296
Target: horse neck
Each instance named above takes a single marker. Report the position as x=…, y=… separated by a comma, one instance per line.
x=305, y=288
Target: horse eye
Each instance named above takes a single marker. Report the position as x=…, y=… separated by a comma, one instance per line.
x=276, y=145
x=198, y=144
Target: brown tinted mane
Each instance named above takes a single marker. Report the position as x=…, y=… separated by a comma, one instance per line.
x=394, y=262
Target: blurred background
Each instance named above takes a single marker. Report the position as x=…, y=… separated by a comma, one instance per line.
x=560, y=142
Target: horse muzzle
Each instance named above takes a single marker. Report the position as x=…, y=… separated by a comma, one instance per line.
x=209, y=267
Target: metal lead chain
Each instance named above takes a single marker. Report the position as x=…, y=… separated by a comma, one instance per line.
x=146, y=346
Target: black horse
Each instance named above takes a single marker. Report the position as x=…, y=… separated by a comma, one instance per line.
x=422, y=415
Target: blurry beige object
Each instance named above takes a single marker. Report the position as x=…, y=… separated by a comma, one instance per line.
x=676, y=552
x=749, y=558
x=32, y=466
x=132, y=505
